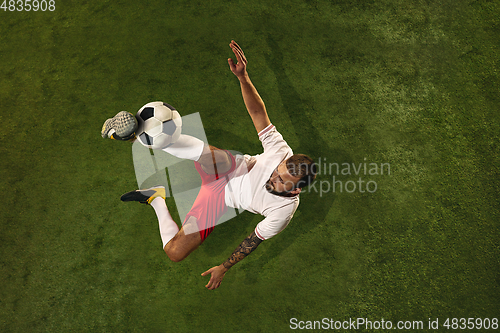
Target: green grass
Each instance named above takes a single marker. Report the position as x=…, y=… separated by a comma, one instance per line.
x=409, y=83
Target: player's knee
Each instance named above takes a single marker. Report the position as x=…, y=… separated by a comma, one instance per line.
x=215, y=160
x=174, y=254
x=222, y=161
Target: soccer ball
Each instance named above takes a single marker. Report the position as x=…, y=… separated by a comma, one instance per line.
x=159, y=125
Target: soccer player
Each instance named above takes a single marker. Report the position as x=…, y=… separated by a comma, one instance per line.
x=268, y=184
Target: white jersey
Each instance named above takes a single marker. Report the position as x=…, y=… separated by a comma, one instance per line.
x=247, y=189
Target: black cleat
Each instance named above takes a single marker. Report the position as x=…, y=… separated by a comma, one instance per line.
x=145, y=196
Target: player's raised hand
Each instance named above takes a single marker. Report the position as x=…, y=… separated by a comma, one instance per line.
x=217, y=274
x=240, y=68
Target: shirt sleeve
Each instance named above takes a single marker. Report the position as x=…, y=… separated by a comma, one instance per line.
x=275, y=222
x=271, y=139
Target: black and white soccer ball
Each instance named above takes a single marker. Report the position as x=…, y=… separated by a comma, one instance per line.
x=159, y=125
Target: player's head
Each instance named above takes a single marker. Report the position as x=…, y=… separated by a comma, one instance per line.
x=292, y=175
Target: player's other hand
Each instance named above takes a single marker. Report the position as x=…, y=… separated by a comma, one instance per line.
x=217, y=274
x=240, y=68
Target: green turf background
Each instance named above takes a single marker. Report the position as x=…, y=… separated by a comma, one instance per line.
x=411, y=83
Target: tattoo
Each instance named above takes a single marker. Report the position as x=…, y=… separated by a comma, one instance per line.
x=245, y=248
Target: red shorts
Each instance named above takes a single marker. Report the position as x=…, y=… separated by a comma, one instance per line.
x=210, y=204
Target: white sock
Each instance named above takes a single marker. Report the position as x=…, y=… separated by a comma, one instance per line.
x=168, y=227
x=186, y=147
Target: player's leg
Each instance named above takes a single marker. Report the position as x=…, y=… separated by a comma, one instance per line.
x=155, y=196
x=213, y=160
x=184, y=242
x=168, y=227
x=208, y=207
x=178, y=244
x=186, y=147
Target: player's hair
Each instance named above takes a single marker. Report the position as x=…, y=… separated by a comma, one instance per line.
x=303, y=167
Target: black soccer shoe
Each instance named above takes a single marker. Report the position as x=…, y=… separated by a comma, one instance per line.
x=145, y=196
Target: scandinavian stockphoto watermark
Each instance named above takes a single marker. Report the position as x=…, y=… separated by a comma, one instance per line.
x=405, y=325
x=354, y=324
x=366, y=173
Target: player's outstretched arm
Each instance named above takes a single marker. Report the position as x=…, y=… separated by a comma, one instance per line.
x=253, y=102
x=245, y=248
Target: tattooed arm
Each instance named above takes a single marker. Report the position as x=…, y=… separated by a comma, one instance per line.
x=245, y=248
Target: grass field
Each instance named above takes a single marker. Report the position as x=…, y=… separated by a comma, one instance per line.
x=413, y=84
